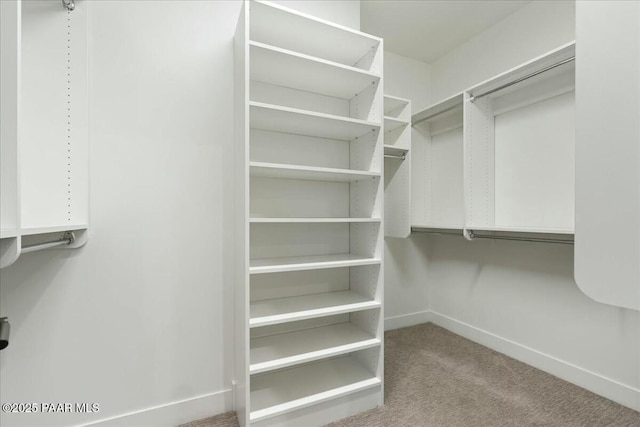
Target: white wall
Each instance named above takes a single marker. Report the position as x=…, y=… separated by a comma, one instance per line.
x=139, y=319
x=405, y=269
x=537, y=28
x=521, y=298
x=343, y=12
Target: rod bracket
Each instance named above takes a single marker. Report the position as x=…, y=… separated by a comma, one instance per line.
x=69, y=5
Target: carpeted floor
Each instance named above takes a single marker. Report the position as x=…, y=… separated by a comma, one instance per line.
x=436, y=378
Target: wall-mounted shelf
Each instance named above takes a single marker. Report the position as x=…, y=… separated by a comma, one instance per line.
x=313, y=262
x=288, y=390
x=42, y=113
x=268, y=170
x=283, y=67
x=293, y=120
x=293, y=348
x=397, y=152
x=281, y=310
x=497, y=159
x=309, y=218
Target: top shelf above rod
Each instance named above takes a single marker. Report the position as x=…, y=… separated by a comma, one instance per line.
x=438, y=109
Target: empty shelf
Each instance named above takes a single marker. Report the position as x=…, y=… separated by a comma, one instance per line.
x=313, y=262
x=310, y=173
x=392, y=105
x=294, y=70
x=302, y=122
x=291, y=389
x=391, y=124
x=9, y=232
x=288, y=29
x=309, y=220
x=54, y=229
x=282, y=310
x=284, y=350
x=439, y=108
x=394, y=150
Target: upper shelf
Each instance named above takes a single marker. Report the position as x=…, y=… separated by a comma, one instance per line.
x=282, y=67
x=288, y=29
x=393, y=104
x=438, y=109
x=540, y=66
x=302, y=122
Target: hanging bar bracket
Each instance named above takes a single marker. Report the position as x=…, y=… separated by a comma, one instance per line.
x=70, y=5
x=67, y=238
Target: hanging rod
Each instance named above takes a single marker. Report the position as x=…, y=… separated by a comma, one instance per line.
x=521, y=79
x=67, y=239
x=392, y=156
x=472, y=236
x=431, y=116
x=69, y=4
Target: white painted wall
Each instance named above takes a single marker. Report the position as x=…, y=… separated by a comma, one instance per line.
x=343, y=12
x=405, y=270
x=521, y=298
x=537, y=28
x=139, y=319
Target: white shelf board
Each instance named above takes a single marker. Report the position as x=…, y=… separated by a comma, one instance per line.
x=393, y=103
x=283, y=310
x=286, y=68
x=309, y=173
x=286, y=28
x=535, y=65
x=53, y=229
x=310, y=220
x=284, y=391
x=293, y=348
x=394, y=149
x=313, y=262
x=302, y=122
x=391, y=123
x=6, y=233
x=439, y=108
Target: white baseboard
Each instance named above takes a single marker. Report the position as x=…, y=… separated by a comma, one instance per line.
x=173, y=413
x=603, y=386
x=405, y=320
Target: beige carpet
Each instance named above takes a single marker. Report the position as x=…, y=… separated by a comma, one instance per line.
x=436, y=378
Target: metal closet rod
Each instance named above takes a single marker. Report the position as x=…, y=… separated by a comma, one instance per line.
x=499, y=88
x=473, y=236
x=521, y=79
x=67, y=239
x=392, y=156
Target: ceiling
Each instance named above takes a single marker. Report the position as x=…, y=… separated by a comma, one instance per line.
x=427, y=29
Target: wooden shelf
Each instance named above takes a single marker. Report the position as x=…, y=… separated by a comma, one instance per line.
x=311, y=220
x=286, y=68
x=302, y=122
x=391, y=124
x=291, y=389
x=314, y=262
x=283, y=310
x=299, y=32
x=309, y=173
x=289, y=349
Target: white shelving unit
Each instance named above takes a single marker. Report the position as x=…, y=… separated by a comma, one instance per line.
x=397, y=165
x=498, y=159
x=44, y=122
x=309, y=218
